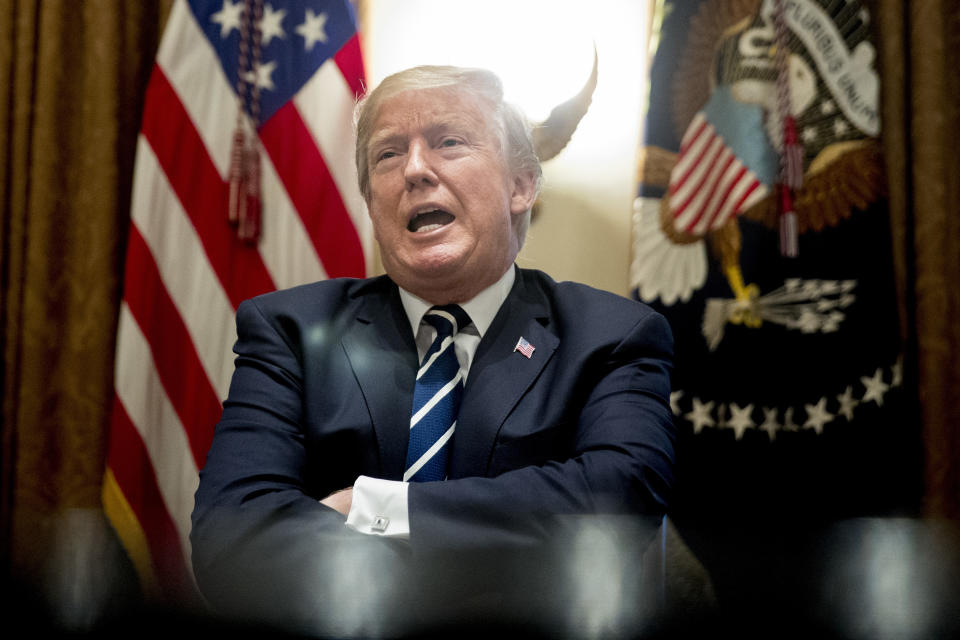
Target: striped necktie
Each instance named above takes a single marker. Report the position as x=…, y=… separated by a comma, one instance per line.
x=436, y=398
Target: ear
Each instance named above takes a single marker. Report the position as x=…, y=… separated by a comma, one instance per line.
x=524, y=192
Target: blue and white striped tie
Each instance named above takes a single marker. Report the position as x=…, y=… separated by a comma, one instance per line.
x=436, y=398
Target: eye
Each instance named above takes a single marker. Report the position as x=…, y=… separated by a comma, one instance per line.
x=450, y=142
x=386, y=155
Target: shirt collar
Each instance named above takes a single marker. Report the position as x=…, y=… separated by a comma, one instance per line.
x=482, y=308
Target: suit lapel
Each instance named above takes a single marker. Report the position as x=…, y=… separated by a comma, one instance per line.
x=383, y=356
x=500, y=376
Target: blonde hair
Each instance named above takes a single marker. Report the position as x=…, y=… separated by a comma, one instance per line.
x=512, y=126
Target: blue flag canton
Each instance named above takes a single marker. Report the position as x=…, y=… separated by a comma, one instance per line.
x=297, y=36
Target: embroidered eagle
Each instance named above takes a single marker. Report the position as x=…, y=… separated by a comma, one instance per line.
x=729, y=112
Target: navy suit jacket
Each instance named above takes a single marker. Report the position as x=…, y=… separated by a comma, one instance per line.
x=322, y=393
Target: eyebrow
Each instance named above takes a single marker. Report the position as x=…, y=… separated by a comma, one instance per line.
x=384, y=139
x=455, y=123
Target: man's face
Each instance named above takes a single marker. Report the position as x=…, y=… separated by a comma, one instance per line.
x=442, y=199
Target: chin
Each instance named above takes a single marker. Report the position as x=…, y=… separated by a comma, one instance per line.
x=437, y=272
x=437, y=260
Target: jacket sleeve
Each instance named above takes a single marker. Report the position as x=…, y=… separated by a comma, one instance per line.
x=258, y=529
x=620, y=461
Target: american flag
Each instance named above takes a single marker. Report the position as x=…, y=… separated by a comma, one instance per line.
x=524, y=347
x=712, y=181
x=186, y=269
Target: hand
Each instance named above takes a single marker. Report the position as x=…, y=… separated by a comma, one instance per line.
x=339, y=500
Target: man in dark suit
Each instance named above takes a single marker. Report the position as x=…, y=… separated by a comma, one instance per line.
x=556, y=405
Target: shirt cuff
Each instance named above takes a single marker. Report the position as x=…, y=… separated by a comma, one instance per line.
x=379, y=507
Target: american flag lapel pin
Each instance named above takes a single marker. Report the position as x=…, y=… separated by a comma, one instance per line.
x=524, y=347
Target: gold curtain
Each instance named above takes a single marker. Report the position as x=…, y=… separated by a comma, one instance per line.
x=919, y=43
x=72, y=77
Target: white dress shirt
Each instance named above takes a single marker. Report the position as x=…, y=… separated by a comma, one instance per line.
x=379, y=507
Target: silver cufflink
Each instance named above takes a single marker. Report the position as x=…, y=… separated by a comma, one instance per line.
x=380, y=524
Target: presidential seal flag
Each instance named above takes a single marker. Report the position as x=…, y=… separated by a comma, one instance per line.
x=244, y=183
x=761, y=232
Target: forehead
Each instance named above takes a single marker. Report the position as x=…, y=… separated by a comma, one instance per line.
x=425, y=110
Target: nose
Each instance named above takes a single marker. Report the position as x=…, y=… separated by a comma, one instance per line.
x=419, y=169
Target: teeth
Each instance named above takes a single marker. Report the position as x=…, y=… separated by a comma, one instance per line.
x=429, y=227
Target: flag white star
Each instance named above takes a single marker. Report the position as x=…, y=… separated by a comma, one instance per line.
x=875, y=387
x=896, y=372
x=228, y=17
x=809, y=134
x=675, y=402
x=840, y=127
x=817, y=416
x=788, y=423
x=271, y=26
x=312, y=29
x=770, y=424
x=847, y=403
x=262, y=75
x=740, y=419
x=700, y=416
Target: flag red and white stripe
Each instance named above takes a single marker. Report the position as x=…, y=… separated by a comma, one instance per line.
x=186, y=270
x=709, y=184
x=524, y=347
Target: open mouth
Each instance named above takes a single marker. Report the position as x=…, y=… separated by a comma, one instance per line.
x=429, y=220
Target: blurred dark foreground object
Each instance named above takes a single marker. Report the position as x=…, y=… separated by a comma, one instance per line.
x=856, y=579
x=859, y=579
x=586, y=581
